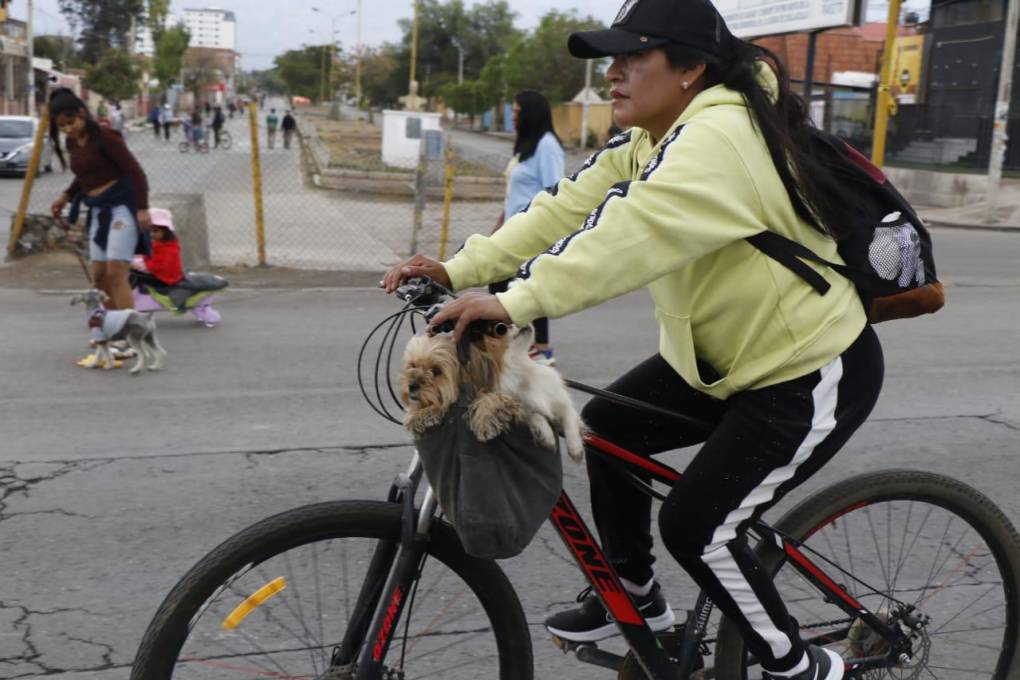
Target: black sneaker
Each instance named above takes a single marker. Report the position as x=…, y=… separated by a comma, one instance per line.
x=591, y=621
x=824, y=664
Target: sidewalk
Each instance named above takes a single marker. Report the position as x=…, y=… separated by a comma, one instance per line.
x=972, y=216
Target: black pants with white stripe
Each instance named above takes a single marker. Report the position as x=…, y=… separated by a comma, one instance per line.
x=763, y=444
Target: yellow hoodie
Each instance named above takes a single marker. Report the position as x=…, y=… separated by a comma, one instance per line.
x=673, y=216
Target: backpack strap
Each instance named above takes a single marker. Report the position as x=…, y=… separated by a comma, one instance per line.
x=791, y=255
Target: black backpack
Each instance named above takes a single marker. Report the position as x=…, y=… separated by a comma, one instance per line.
x=887, y=248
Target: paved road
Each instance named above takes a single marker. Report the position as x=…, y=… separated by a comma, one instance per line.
x=110, y=487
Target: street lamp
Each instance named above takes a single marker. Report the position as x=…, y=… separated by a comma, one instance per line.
x=333, y=18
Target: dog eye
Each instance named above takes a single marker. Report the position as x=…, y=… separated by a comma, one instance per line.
x=437, y=371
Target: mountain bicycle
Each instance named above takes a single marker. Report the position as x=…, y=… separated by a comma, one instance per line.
x=907, y=574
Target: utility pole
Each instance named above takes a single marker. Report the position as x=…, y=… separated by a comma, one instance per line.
x=584, y=104
x=414, y=47
x=1001, y=119
x=30, y=89
x=322, y=74
x=357, y=67
x=460, y=63
x=884, y=104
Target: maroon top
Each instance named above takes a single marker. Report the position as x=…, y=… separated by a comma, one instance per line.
x=93, y=168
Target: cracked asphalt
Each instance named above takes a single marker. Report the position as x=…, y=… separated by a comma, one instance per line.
x=112, y=486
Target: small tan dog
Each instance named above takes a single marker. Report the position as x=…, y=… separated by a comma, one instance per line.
x=430, y=382
x=510, y=388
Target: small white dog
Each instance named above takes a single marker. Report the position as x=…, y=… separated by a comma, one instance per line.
x=540, y=389
x=138, y=329
x=510, y=388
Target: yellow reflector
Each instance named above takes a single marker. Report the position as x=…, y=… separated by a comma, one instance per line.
x=253, y=601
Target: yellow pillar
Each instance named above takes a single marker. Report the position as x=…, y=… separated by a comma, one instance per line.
x=256, y=175
x=885, y=105
x=26, y=188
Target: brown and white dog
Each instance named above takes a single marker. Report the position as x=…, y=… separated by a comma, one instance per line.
x=509, y=386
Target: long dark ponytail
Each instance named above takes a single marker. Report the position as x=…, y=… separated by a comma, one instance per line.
x=534, y=120
x=63, y=100
x=783, y=120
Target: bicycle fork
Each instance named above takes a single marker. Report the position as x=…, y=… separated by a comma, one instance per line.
x=392, y=571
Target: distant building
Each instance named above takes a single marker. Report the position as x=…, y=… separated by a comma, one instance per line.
x=854, y=48
x=13, y=67
x=212, y=27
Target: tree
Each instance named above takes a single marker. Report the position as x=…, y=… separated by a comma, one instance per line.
x=115, y=76
x=301, y=70
x=470, y=97
x=381, y=80
x=201, y=69
x=541, y=62
x=58, y=48
x=483, y=31
x=103, y=24
x=156, y=15
x=168, y=57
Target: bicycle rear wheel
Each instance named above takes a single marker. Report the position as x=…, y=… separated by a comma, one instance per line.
x=917, y=538
x=274, y=601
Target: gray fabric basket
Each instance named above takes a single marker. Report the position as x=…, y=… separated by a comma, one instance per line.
x=495, y=493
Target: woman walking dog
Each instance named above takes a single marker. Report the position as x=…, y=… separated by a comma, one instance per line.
x=716, y=152
x=112, y=185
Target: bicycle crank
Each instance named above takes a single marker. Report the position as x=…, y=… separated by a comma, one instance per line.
x=349, y=671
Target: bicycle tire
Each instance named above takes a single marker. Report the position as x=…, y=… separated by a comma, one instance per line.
x=183, y=613
x=203, y=147
x=843, y=504
x=184, y=147
x=226, y=141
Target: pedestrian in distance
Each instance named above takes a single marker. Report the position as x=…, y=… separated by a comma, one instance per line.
x=109, y=181
x=231, y=109
x=166, y=117
x=217, y=124
x=289, y=127
x=717, y=151
x=154, y=119
x=272, y=122
x=117, y=119
x=537, y=164
x=197, y=131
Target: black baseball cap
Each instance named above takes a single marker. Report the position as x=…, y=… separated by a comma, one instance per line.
x=643, y=24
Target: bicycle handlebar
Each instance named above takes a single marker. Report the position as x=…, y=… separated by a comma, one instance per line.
x=424, y=292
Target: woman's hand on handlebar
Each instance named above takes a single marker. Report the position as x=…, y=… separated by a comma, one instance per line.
x=471, y=307
x=418, y=265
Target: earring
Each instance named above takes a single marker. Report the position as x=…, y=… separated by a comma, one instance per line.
x=685, y=85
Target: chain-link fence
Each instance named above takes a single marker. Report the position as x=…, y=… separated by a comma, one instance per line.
x=328, y=200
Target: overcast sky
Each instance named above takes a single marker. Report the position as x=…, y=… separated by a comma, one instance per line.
x=268, y=27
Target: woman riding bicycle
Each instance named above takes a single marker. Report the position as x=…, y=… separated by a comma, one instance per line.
x=716, y=152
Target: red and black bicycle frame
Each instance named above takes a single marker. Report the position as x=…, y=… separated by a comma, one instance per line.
x=396, y=565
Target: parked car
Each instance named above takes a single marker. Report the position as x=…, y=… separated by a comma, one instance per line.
x=17, y=134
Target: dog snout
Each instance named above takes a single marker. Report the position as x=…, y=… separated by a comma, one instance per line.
x=413, y=389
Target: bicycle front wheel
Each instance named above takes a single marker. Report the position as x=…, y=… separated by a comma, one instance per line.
x=920, y=540
x=226, y=141
x=274, y=602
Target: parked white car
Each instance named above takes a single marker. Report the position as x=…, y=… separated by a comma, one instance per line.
x=17, y=135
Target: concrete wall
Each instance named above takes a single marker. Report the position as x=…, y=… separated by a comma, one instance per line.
x=938, y=189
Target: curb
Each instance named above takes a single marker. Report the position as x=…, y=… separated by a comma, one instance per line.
x=946, y=224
